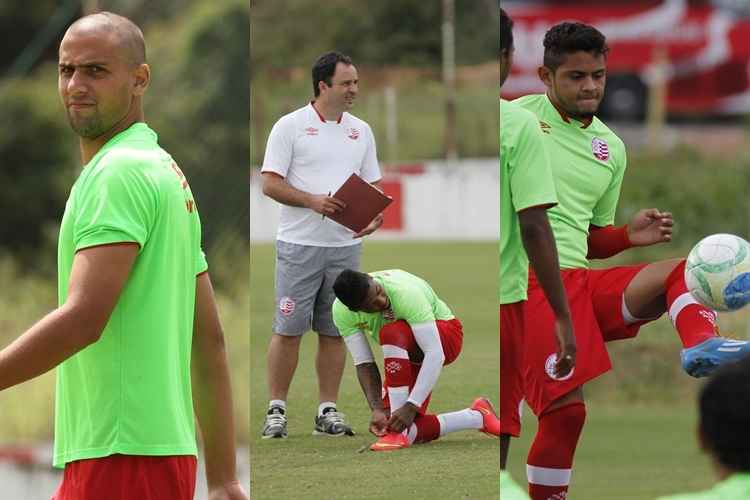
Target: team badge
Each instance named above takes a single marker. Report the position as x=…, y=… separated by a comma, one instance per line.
x=392, y=367
x=549, y=367
x=286, y=306
x=600, y=149
x=353, y=134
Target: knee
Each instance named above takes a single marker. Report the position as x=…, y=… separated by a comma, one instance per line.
x=396, y=334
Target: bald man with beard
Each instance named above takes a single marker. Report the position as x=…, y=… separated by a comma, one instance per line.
x=136, y=306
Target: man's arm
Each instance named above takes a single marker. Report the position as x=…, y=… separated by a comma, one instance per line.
x=96, y=280
x=212, y=395
x=369, y=379
x=276, y=187
x=539, y=243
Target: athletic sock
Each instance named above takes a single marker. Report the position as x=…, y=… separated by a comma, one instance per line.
x=398, y=375
x=277, y=403
x=460, y=421
x=425, y=428
x=693, y=321
x=325, y=407
x=550, y=460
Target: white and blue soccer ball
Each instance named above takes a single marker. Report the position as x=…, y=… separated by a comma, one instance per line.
x=717, y=272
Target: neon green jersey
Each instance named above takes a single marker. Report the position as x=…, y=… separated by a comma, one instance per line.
x=735, y=487
x=525, y=181
x=130, y=392
x=588, y=164
x=412, y=300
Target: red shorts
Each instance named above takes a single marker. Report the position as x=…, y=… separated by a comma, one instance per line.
x=511, y=361
x=451, y=338
x=595, y=301
x=126, y=477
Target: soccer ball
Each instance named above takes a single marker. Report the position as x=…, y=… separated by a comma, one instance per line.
x=717, y=272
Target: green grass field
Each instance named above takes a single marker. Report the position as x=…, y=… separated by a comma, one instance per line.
x=629, y=452
x=463, y=465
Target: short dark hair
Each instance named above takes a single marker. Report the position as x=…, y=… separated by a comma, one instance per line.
x=351, y=288
x=724, y=405
x=325, y=67
x=566, y=38
x=506, y=32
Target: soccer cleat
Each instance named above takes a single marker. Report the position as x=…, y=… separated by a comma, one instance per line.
x=390, y=442
x=332, y=423
x=509, y=490
x=702, y=359
x=491, y=422
x=275, y=423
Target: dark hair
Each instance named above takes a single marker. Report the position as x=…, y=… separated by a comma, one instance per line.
x=567, y=38
x=325, y=67
x=506, y=31
x=725, y=415
x=351, y=288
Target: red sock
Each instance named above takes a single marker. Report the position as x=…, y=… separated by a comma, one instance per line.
x=550, y=459
x=694, y=322
x=428, y=428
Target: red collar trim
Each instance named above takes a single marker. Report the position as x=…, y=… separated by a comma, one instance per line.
x=322, y=118
x=567, y=118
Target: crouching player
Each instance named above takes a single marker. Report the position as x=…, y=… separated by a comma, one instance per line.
x=418, y=334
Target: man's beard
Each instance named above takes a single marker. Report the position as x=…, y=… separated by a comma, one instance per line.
x=87, y=128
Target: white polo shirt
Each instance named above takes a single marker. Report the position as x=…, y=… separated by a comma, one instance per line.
x=317, y=156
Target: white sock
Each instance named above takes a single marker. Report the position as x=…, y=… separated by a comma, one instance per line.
x=460, y=421
x=325, y=404
x=277, y=402
x=397, y=397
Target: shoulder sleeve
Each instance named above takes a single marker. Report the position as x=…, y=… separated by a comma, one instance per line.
x=370, y=166
x=530, y=176
x=280, y=146
x=606, y=208
x=117, y=204
x=201, y=265
x=344, y=319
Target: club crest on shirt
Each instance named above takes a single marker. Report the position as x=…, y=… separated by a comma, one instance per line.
x=286, y=306
x=311, y=131
x=600, y=149
x=353, y=134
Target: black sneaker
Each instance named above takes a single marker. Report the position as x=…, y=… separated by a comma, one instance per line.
x=275, y=424
x=332, y=423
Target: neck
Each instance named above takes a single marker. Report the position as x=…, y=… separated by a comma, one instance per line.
x=327, y=110
x=585, y=120
x=91, y=146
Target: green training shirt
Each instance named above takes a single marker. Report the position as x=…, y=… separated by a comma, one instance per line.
x=130, y=392
x=412, y=299
x=735, y=487
x=588, y=164
x=525, y=181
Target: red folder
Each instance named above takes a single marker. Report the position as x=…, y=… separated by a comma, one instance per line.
x=363, y=203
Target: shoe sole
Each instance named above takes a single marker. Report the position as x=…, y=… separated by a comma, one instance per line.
x=328, y=434
x=702, y=367
x=274, y=436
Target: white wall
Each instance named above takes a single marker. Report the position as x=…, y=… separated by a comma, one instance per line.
x=446, y=202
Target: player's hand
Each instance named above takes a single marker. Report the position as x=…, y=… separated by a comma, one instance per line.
x=378, y=422
x=325, y=205
x=402, y=418
x=649, y=227
x=229, y=491
x=566, y=347
x=371, y=227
